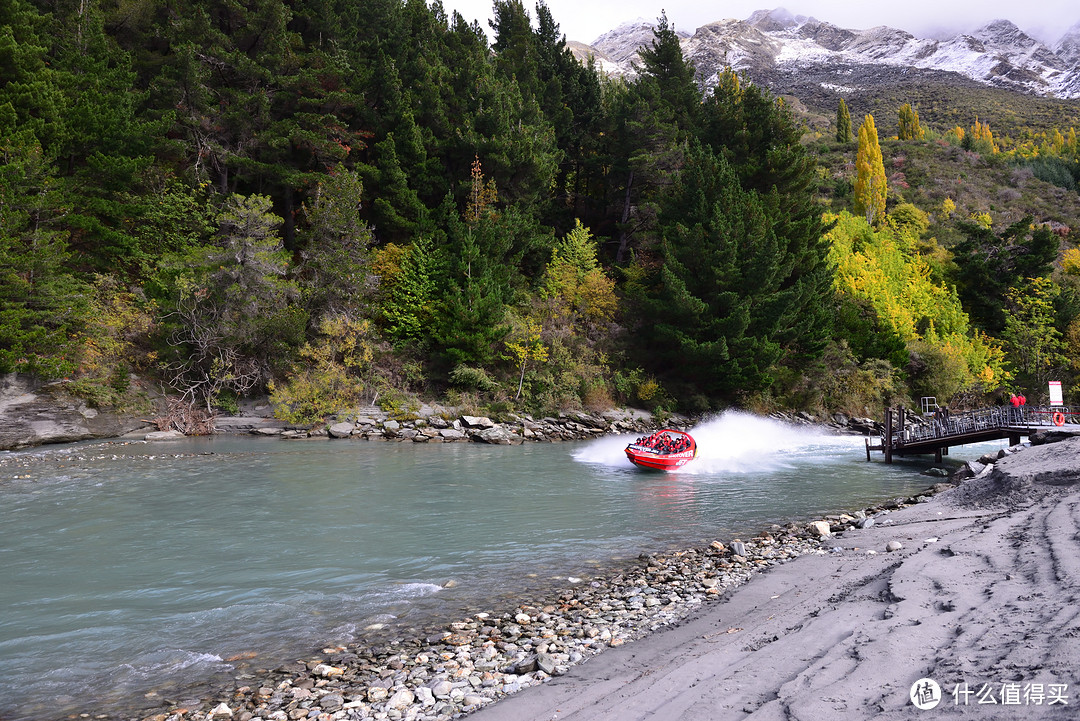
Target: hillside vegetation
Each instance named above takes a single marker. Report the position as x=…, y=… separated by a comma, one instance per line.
x=340, y=203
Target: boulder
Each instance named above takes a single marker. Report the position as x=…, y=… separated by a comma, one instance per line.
x=499, y=436
x=450, y=434
x=163, y=436
x=1040, y=438
x=820, y=529
x=992, y=457
x=401, y=700
x=341, y=430
x=33, y=412
x=477, y=422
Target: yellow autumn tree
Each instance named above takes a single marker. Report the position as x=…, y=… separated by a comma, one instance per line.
x=883, y=269
x=871, y=187
x=948, y=207
x=1070, y=261
x=576, y=282
x=327, y=379
x=524, y=344
x=980, y=139
x=909, y=124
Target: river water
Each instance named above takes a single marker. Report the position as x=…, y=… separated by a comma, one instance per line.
x=127, y=565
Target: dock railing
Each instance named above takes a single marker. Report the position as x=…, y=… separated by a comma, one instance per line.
x=944, y=424
x=908, y=433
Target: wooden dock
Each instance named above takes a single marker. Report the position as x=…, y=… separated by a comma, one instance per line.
x=907, y=434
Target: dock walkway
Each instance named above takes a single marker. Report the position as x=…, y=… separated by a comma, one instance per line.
x=906, y=433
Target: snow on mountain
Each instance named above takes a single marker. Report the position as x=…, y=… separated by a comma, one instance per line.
x=1068, y=47
x=998, y=54
x=620, y=46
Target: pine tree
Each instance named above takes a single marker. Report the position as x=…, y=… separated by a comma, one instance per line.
x=843, y=123
x=909, y=124
x=870, y=183
x=233, y=316
x=333, y=248
x=663, y=64
x=988, y=264
x=758, y=135
x=733, y=289
x=43, y=306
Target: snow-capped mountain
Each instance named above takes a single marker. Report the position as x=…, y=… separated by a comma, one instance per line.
x=773, y=43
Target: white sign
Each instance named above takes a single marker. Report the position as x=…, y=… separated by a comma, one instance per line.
x=1055, y=394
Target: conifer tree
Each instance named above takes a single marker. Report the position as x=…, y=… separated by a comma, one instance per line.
x=843, y=123
x=43, y=307
x=334, y=247
x=734, y=285
x=870, y=183
x=758, y=135
x=663, y=63
x=479, y=275
x=988, y=264
x=909, y=124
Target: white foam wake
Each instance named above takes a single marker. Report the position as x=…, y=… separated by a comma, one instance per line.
x=733, y=442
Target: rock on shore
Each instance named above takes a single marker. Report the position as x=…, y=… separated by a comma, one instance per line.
x=33, y=412
x=439, y=425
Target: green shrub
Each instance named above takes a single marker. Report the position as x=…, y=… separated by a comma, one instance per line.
x=468, y=378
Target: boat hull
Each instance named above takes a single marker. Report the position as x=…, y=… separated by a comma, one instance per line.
x=647, y=455
x=650, y=459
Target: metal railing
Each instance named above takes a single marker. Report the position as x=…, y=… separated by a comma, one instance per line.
x=944, y=424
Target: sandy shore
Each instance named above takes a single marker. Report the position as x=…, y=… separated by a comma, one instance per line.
x=983, y=598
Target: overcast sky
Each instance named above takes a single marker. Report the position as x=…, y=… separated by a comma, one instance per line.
x=585, y=20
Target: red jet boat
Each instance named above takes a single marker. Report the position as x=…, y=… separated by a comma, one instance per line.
x=664, y=450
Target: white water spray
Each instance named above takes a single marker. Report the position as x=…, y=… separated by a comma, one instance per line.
x=734, y=442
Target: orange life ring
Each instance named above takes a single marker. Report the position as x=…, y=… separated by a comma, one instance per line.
x=1059, y=418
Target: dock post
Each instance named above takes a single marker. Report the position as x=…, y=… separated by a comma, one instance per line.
x=888, y=435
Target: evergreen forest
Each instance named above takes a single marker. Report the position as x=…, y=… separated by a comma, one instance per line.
x=339, y=203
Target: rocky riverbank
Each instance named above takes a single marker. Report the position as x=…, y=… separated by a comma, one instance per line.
x=435, y=424
x=34, y=413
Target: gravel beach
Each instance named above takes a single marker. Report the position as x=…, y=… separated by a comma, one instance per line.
x=981, y=598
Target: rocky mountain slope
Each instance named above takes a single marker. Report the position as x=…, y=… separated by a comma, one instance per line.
x=774, y=45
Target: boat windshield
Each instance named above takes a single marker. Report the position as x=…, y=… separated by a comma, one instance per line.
x=663, y=442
